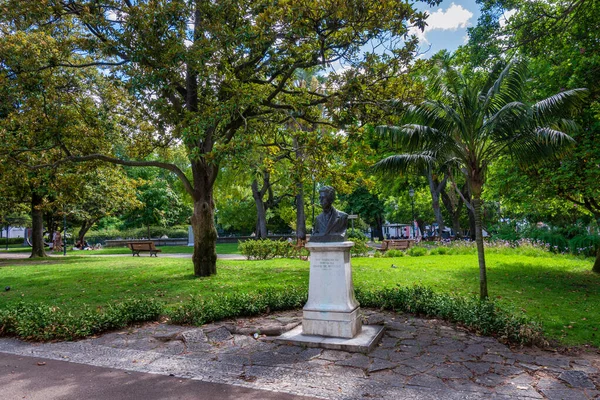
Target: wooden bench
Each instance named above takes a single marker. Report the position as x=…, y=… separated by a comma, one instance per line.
x=137, y=247
x=396, y=244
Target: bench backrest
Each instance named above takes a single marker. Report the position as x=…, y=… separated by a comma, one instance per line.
x=142, y=246
x=401, y=244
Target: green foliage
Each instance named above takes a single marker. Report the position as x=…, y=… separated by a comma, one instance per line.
x=41, y=322
x=44, y=323
x=439, y=251
x=557, y=242
x=201, y=310
x=356, y=234
x=526, y=278
x=394, y=253
x=360, y=248
x=265, y=249
x=99, y=236
x=10, y=241
x=416, y=251
x=484, y=317
x=586, y=245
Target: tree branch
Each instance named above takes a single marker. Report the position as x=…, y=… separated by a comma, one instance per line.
x=113, y=160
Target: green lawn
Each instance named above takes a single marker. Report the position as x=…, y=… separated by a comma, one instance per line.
x=222, y=248
x=560, y=291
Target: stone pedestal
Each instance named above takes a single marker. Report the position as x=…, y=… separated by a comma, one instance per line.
x=331, y=310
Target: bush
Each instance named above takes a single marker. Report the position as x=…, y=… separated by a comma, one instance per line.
x=201, y=310
x=394, y=253
x=442, y=250
x=417, y=251
x=10, y=241
x=483, y=317
x=586, y=245
x=356, y=234
x=265, y=249
x=100, y=236
x=360, y=248
x=43, y=323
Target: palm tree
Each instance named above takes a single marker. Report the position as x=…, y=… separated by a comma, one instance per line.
x=471, y=123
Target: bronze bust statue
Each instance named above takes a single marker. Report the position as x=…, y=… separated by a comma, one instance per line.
x=331, y=224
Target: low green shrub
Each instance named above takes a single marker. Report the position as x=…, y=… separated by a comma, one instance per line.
x=417, y=251
x=10, y=241
x=442, y=250
x=101, y=235
x=265, y=249
x=360, y=248
x=356, y=234
x=394, y=253
x=41, y=322
x=483, y=317
x=201, y=310
x=586, y=245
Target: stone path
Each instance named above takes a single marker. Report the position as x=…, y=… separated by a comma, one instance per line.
x=417, y=359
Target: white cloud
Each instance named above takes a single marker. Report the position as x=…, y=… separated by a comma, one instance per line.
x=453, y=18
x=505, y=17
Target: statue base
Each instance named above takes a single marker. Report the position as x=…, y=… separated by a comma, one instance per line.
x=331, y=316
x=331, y=309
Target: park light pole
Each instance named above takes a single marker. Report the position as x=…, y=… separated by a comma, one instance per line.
x=65, y=233
x=411, y=193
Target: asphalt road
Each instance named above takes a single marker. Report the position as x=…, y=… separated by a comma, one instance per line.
x=38, y=378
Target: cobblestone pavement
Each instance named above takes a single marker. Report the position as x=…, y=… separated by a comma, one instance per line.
x=416, y=359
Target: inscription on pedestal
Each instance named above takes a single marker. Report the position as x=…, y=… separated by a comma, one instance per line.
x=327, y=264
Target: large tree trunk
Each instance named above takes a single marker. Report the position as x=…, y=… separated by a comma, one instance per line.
x=435, y=188
x=483, y=292
x=472, y=224
x=261, y=212
x=203, y=219
x=379, y=227
x=300, y=215
x=37, y=227
x=453, y=205
x=85, y=227
x=596, y=267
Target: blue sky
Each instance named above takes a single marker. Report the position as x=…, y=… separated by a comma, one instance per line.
x=447, y=25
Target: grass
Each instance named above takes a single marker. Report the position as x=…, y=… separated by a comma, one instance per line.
x=560, y=291
x=222, y=248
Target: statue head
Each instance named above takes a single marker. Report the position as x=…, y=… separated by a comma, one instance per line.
x=326, y=196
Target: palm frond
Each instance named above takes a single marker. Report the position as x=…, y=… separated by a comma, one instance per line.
x=560, y=104
x=404, y=163
x=549, y=136
x=508, y=87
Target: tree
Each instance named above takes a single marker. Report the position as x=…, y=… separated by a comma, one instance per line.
x=472, y=124
x=560, y=38
x=202, y=70
x=89, y=195
x=368, y=206
x=158, y=203
x=44, y=113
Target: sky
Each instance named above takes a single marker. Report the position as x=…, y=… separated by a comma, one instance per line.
x=447, y=25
